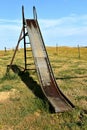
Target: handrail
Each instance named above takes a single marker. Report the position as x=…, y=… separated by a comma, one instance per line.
x=34, y=13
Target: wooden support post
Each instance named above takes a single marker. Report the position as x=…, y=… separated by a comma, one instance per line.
x=24, y=36
x=8, y=68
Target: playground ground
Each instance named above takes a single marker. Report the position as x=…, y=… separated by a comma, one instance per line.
x=22, y=104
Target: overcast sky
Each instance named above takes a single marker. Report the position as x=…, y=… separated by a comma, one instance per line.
x=62, y=22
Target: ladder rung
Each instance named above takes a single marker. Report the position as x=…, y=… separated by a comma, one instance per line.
x=30, y=69
x=28, y=57
x=29, y=64
x=27, y=42
x=26, y=34
x=25, y=25
x=28, y=50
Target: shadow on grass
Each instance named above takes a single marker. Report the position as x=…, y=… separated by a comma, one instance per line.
x=28, y=80
x=31, y=84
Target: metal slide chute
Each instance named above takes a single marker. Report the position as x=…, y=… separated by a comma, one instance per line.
x=44, y=70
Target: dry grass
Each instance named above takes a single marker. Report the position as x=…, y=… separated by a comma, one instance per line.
x=23, y=106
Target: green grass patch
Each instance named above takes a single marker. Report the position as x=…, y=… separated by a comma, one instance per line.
x=9, y=77
x=81, y=98
x=6, y=88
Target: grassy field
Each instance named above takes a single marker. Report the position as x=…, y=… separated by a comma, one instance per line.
x=22, y=103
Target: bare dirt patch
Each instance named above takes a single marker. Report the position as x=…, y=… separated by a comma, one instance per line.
x=4, y=96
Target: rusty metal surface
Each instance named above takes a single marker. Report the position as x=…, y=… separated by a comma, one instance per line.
x=44, y=71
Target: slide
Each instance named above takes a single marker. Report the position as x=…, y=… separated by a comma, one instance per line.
x=48, y=83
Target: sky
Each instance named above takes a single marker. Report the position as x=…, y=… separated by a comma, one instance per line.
x=62, y=22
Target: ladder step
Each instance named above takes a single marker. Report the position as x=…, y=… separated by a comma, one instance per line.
x=28, y=50
x=28, y=57
x=26, y=34
x=30, y=69
x=25, y=25
x=27, y=43
x=30, y=64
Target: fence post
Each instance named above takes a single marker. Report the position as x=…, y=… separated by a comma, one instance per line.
x=5, y=49
x=57, y=49
x=78, y=51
